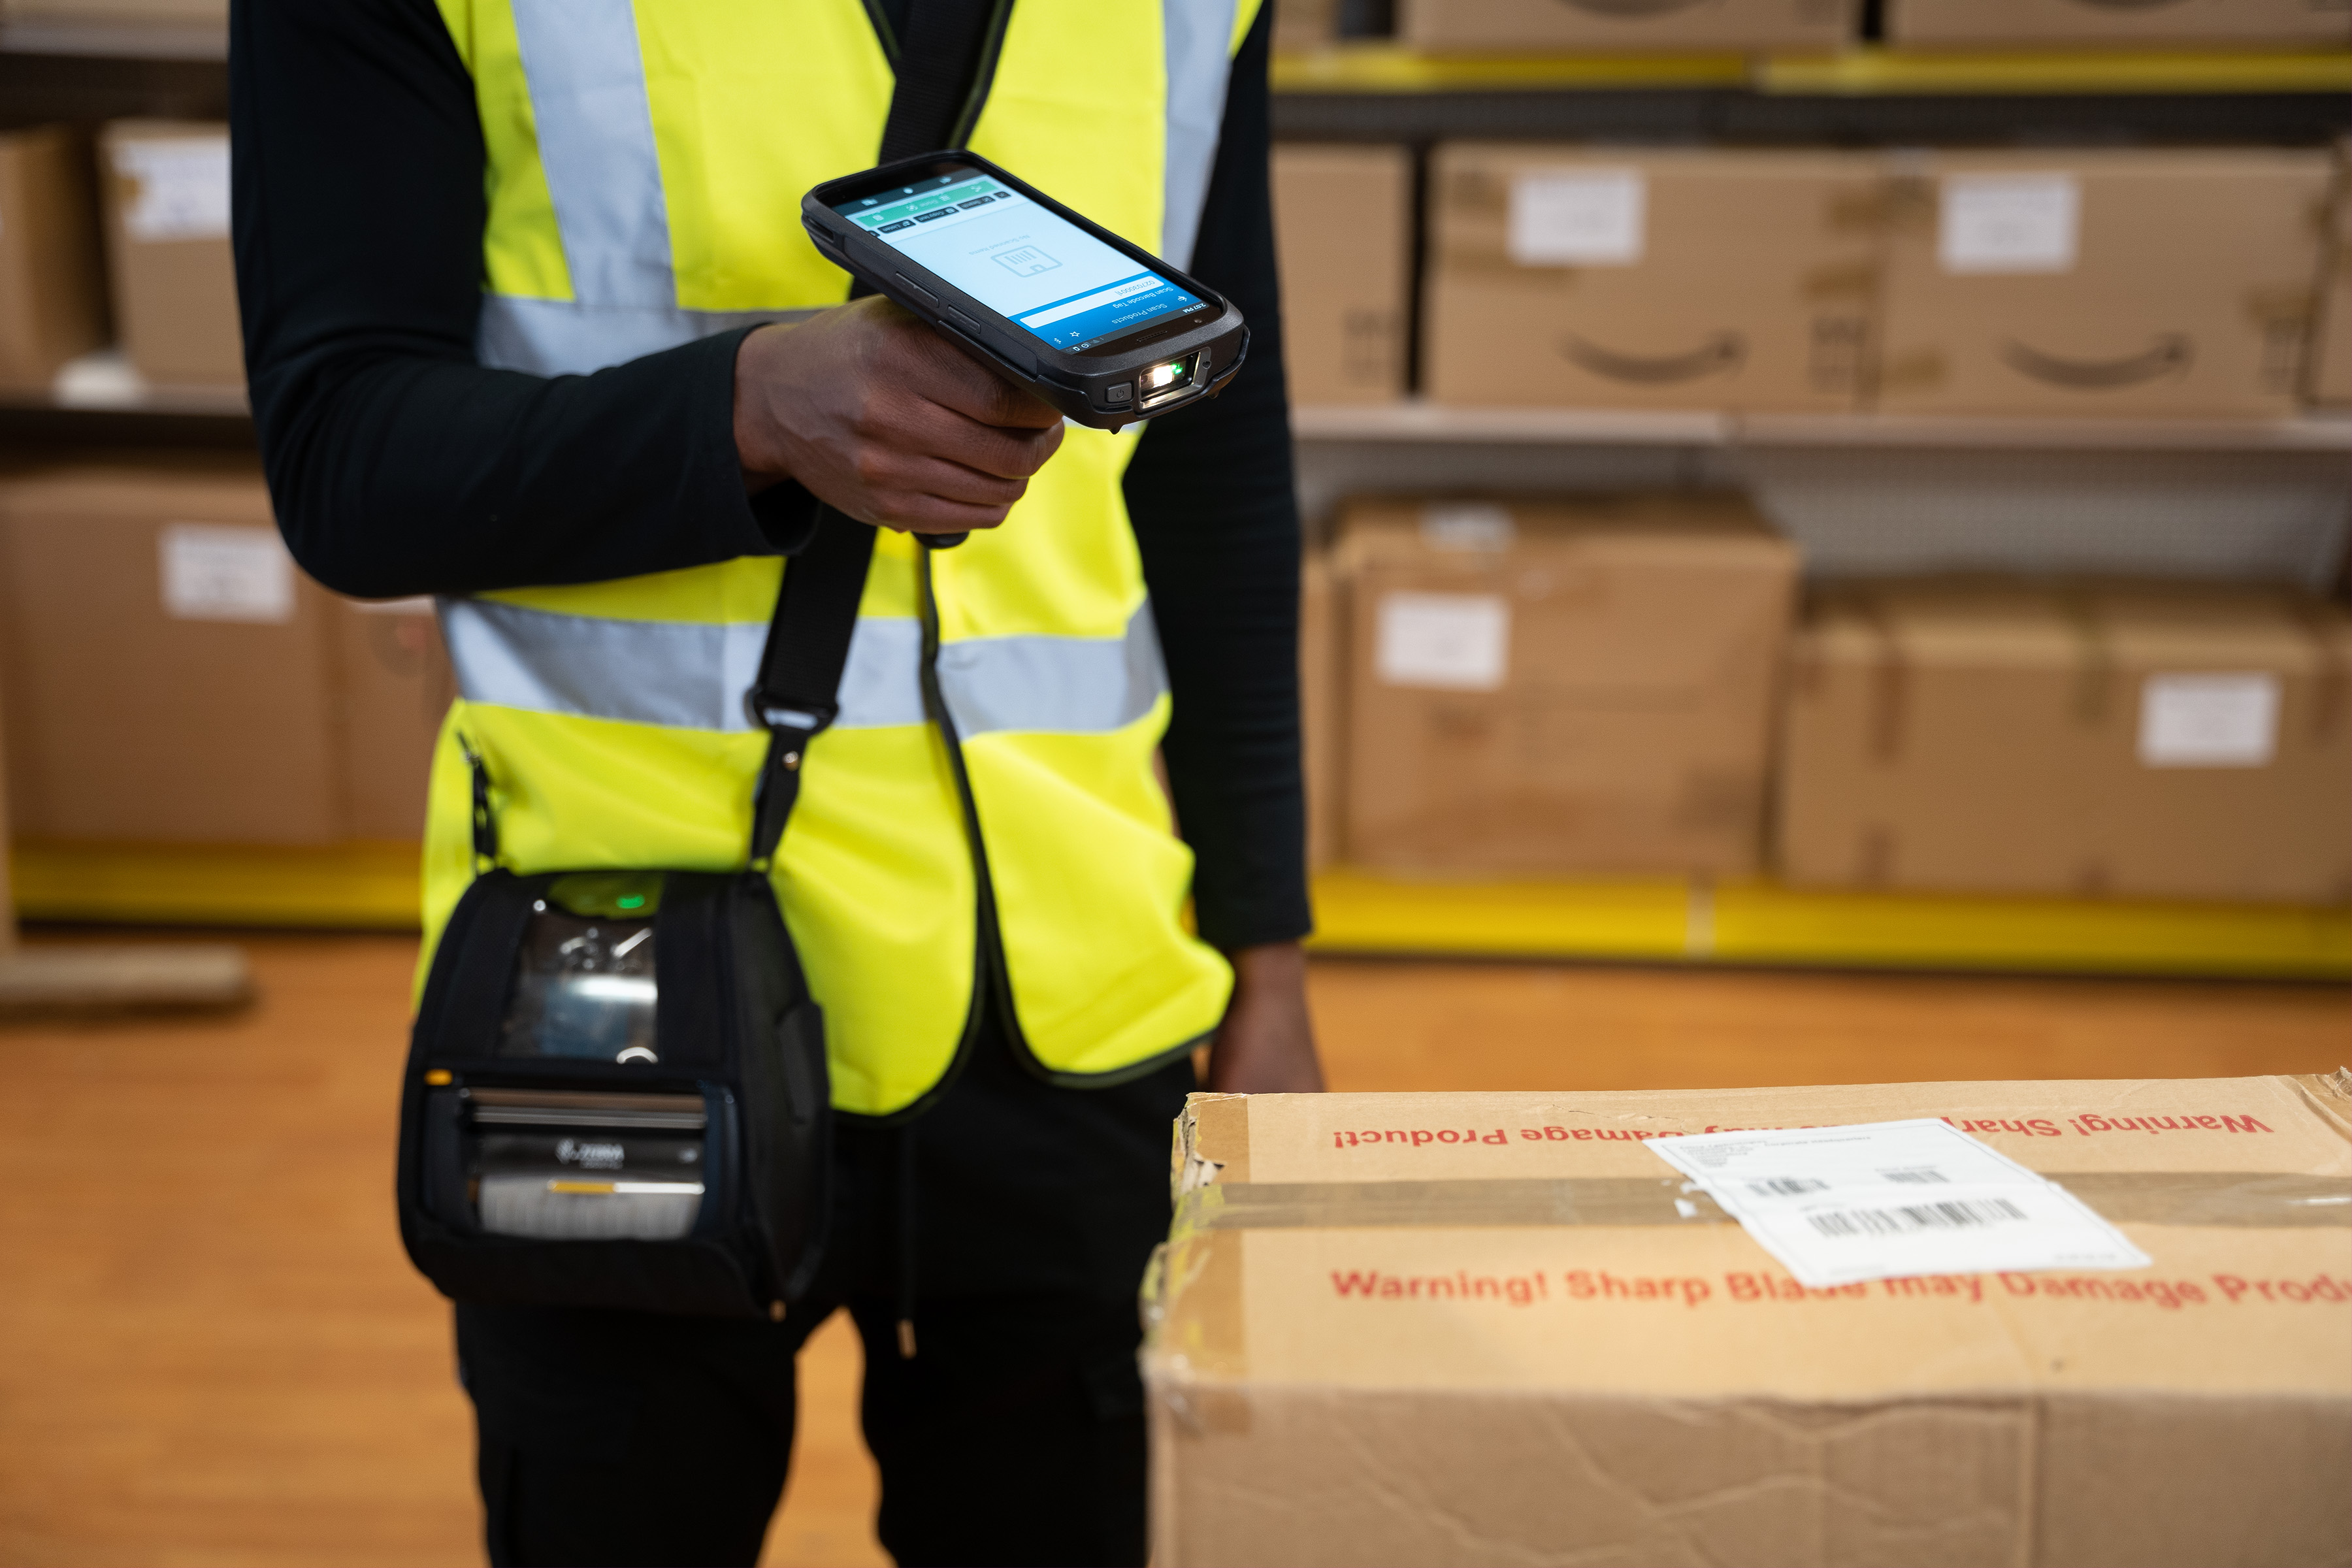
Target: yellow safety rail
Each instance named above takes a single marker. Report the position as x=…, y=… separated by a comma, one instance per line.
x=1894, y=71
x=1390, y=67
x=1641, y=919
x=1381, y=68
x=365, y=886
x=1663, y=921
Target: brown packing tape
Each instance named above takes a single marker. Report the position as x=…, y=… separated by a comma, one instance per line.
x=1890, y=683
x=2231, y=1199
x=2095, y=676
x=2331, y=687
x=1841, y=280
x=1914, y=370
x=1215, y=1129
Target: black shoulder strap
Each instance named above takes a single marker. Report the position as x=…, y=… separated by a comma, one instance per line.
x=797, y=694
x=942, y=63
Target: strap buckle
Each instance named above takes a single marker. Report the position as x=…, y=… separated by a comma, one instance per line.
x=776, y=715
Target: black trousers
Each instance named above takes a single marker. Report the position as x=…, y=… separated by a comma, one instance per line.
x=1014, y=1435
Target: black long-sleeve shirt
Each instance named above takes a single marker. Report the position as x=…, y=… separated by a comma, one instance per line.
x=399, y=464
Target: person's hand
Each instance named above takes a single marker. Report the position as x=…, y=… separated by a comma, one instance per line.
x=883, y=421
x=1266, y=1043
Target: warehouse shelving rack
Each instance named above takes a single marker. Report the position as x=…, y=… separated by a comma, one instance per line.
x=1377, y=92
x=2235, y=496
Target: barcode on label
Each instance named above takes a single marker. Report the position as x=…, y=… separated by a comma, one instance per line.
x=1949, y=1215
x=1922, y=1174
x=1786, y=1186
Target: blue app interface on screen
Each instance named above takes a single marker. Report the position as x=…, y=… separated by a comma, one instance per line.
x=1019, y=260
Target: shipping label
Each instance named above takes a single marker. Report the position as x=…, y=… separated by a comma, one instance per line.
x=2008, y=222
x=1883, y=1200
x=216, y=573
x=1594, y=217
x=2222, y=720
x=183, y=188
x=1448, y=642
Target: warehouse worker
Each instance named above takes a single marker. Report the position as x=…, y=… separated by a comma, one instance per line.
x=513, y=273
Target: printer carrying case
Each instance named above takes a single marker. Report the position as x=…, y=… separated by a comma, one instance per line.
x=616, y=1092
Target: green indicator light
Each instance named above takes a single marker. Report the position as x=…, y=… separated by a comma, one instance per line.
x=634, y=901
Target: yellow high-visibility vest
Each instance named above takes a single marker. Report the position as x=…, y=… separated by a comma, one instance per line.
x=646, y=164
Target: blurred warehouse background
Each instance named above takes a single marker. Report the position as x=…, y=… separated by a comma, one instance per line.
x=1792, y=485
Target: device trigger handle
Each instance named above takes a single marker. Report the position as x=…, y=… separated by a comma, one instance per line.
x=942, y=540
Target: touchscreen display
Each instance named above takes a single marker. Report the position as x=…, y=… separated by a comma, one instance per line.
x=1019, y=260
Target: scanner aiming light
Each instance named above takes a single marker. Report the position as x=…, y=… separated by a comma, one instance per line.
x=1164, y=383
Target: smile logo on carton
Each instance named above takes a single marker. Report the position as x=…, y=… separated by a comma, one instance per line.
x=2170, y=354
x=1720, y=354
x=1634, y=10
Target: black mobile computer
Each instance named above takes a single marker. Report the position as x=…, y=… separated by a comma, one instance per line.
x=1100, y=329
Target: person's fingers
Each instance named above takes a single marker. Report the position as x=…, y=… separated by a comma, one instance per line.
x=923, y=513
x=953, y=379
x=884, y=471
x=913, y=424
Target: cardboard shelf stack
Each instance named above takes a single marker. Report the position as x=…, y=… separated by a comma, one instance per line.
x=1866, y=291
x=195, y=731
x=1869, y=326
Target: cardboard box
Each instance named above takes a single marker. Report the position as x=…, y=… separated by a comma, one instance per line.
x=1322, y=692
x=1575, y=27
x=1477, y=1329
x=2102, y=282
x=1343, y=226
x=169, y=677
x=395, y=684
x=1651, y=279
x=1996, y=24
x=178, y=14
x=167, y=212
x=52, y=290
x=2156, y=741
x=2330, y=372
x=1561, y=687
x=172, y=677
x=1301, y=26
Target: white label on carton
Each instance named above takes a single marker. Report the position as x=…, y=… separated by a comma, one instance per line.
x=2008, y=222
x=1466, y=525
x=213, y=572
x=2208, y=720
x=1885, y=1200
x=183, y=187
x=1589, y=218
x=418, y=604
x=1454, y=642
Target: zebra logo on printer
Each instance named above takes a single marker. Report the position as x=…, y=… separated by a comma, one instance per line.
x=589, y=1156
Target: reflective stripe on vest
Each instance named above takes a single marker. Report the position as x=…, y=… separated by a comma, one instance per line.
x=588, y=98
x=694, y=674
x=647, y=163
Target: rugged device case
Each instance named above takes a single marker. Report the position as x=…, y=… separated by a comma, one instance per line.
x=1080, y=385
